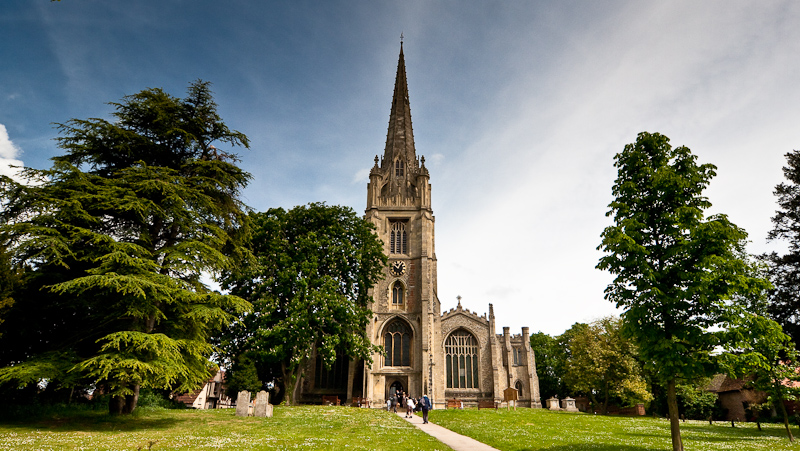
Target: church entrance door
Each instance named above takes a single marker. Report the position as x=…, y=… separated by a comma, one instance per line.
x=394, y=388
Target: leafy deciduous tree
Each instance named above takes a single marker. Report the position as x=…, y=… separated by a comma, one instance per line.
x=315, y=266
x=602, y=363
x=675, y=270
x=757, y=349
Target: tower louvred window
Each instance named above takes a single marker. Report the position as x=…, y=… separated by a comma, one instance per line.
x=398, y=168
x=397, y=343
x=398, y=241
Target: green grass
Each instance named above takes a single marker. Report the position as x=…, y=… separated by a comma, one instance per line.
x=335, y=428
x=306, y=427
x=538, y=429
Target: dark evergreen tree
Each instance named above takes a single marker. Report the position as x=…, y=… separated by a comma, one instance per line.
x=117, y=234
x=784, y=269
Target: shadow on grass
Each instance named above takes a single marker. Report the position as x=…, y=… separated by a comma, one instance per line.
x=91, y=422
x=573, y=447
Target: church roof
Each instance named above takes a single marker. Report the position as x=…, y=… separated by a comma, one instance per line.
x=400, y=137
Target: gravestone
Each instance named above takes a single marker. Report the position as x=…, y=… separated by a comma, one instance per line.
x=552, y=403
x=243, y=404
x=569, y=404
x=262, y=408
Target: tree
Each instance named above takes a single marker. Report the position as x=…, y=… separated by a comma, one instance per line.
x=118, y=233
x=550, y=360
x=310, y=287
x=784, y=271
x=675, y=270
x=757, y=349
x=603, y=364
x=10, y=279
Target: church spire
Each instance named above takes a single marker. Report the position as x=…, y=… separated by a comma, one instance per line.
x=400, y=137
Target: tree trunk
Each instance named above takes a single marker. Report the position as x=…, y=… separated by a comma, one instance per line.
x=115, y=405
x=785, y=420
x=292, y=383
x=605, y=400
x=674, y=421
x=119, y=405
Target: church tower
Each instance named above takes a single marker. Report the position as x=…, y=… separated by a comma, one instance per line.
x=406, y=309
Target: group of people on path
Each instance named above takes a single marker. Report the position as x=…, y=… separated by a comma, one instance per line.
x=412, y=405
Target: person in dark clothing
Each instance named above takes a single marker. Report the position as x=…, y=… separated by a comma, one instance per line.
x=426, y=406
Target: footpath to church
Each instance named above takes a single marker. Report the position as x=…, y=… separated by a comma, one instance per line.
x=456, y=441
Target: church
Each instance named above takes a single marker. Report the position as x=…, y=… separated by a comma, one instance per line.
x=445, y=355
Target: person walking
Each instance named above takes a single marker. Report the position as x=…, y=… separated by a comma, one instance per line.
x=409, y=407
x=426, y=406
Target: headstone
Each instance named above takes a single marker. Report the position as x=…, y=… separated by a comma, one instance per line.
x=552, y=403
x=568, y=404
x=262, y=406
x=243, y=403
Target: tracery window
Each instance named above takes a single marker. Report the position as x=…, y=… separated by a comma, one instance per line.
x=397, y=344
x=517, y=355
x=398, y=240
x=398, y=294
x=398, y=168
x=333, y=377
x=461, y=360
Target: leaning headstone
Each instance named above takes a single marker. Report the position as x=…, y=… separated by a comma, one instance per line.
x=569, y=404
x=262, y=401
x=243, y=403
x=552, y=403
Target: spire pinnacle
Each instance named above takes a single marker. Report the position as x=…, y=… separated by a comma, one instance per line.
x=400, y=136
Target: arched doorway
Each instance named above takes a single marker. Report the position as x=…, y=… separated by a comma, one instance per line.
x=394, y=388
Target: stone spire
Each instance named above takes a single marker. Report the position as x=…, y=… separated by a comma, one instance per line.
x=400, y=137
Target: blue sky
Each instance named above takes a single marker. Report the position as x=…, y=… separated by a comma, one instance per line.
x=518, y=107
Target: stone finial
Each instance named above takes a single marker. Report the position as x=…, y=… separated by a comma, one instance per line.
x=422, y=160
x=459, y=302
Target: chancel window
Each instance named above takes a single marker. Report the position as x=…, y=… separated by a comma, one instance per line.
x=398, y=295
x=398, y=168
x=398, y=240
x=461, y=360
x=333, y=377
x=397, y=344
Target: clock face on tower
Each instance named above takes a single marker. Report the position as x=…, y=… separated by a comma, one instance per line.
x=397, y=268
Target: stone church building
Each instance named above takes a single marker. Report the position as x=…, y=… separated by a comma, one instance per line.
x=445, y=355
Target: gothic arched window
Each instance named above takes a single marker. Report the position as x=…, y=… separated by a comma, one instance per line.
x=398, y=168
x=397, y=343
x=518, y=386
x=398, y=294
x=398, y=240
x=461, y=360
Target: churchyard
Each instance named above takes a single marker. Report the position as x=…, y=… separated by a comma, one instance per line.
x=334, y=428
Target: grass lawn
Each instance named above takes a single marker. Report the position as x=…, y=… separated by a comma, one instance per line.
x=538, y=429
x=305, y=427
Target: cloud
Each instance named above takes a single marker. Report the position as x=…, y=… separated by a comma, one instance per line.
x=361, y=176
x=8, y=154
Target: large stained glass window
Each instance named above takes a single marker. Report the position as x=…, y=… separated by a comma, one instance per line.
x=461, y=360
